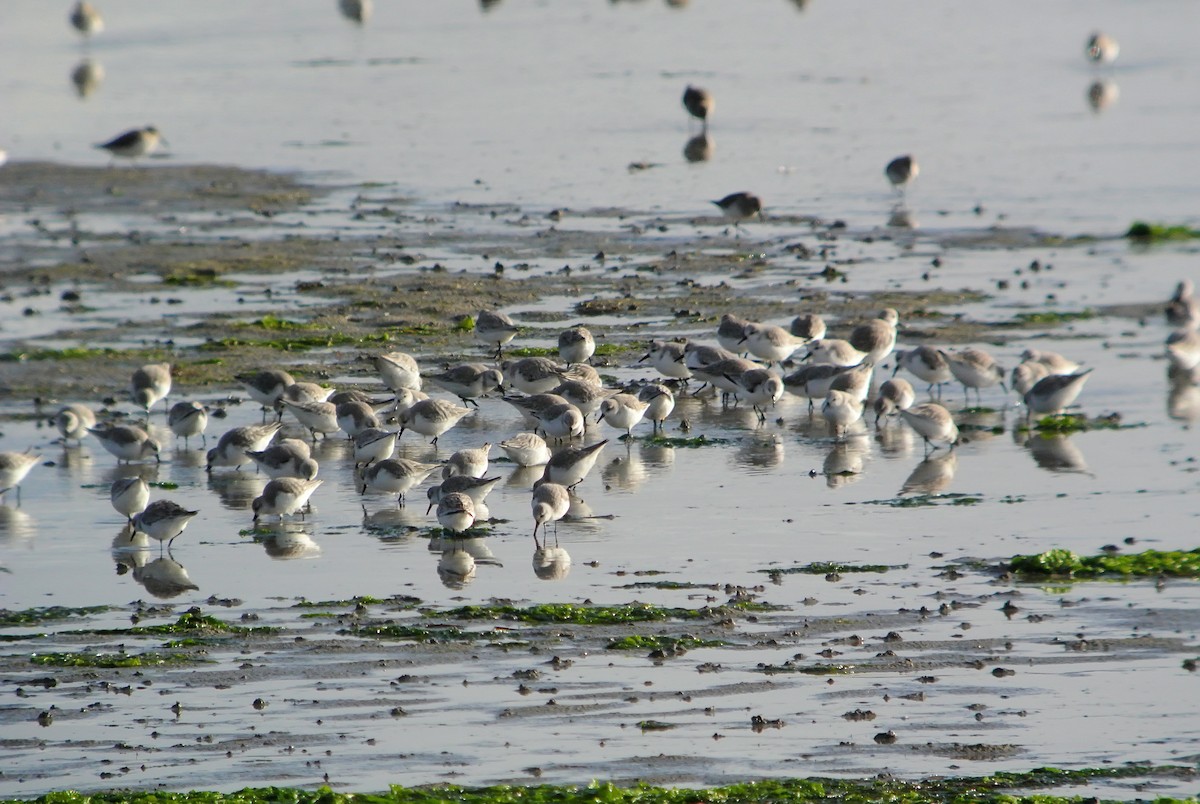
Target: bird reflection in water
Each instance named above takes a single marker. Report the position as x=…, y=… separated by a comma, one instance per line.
x=15, y=524
x=393, y=523
x=761, y=451
x=1056, y=453
x=164, y=577
x=627, y=472
x=87, y=77
x=284, y=541
x=844, y=463
x=236, y=490
x=1183, y=397
x=456, y=568
x=932, y=475
x=1102, y=94
x=699, y=148
x=895, y=440
x=551, y=563
x=901, y=216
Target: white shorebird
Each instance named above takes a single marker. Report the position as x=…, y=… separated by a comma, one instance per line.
x=622, y=411
x=876, y=337
x=561, y=421
x=14, y=466
x=316, y=417
x=1182, y=309
x=127, y=442
x=468, y=381
x=1053, y=361
x=133, y=143
x=304, y=392
x=731, y=332
x=470, y=462
x=526, y=449
x=456, y=512
x=398, y=370
x=373, y=444
x=901, y=171
x=895, y=395
x=284, y=496
x=163, y=520
x=699, y=104
x=739, y=207
x=234, y=446
x=1053, y=393
x=531, y=407
x=1183, y=349
x=1026, y=375
x=809, y=326
x=660, y=402
x=494, y=329
x=926, y=364
x=74, y=421
x=532, y=375
x=576, y=345
x=977, y=369
x=1101, y=48
x=855, y=380
x=770, y=343
x=288, y=457
x=353, y=416
x=841, y=409
x=584, y=395
x=477, y=488
x=550, y=503
x=933, y=423
x=188, y=419
x=149, y=384
x=129, y=496
x=813, y=382
x=759, y=387
x=834, y=351
x=396, y=476
x=266, y=387
x=86, y=19
x=570, y=466
x=432, y=417
x=667, y=358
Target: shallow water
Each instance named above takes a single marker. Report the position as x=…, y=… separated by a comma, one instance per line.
x=429, y=97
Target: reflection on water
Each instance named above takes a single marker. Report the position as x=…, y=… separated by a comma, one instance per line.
x=456, y=568
x=699, y=148
x=1102, y=94
x=288, y=540
x=844, y=463
x=1056, y=453
x=393, y=522
x=87, y=77
x=237, y=488
x=15, y=524
x=1183, y=399
x=164, y=577
x=902, y=217
x=763, y=451
x=895, y=439
x=358, y=11
x=523, y=477
x=627, y=472
x=551, y=563
x=932, y=475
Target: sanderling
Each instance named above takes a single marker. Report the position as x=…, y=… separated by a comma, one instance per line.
x=477, y=488
x=731, y=332
x=1183, y=349
x=163, y=520
x=759, y=387
x=187, y=419
x=583, y=395
x=856, y=381
x=288, y=457
x=87, y=77
x=576, y=345
x=738, y=207
x=1182, y=309
x=395, y=476
x=494, y=329
x=526, y=449
x=809, y=326
x=373, y=444
x=74, y=421
x=468, y=381
x=149, y=384
x=531, y=407
x=134, y=143
x=317, y=417
x=304, y=392
x=456, y=567
x=894, y=395
x=975, y=368
x=561, y=421
x=405, y=399
x=1101, y=48
x=622, y=411
x=1053, y=393
x=1053, y=361
x=902, y=170
x=14, y=466
x=660, y=402
x=130, y=496
x=266, y=387
x=86, y=19
x=233, y=445
x=356, y=10
x=667, y=358
x=1025, y=375
x=834, y=351
x=1102, y=93
x=841, y=409
x=532, y=375
x=571, y=465
x=876, y=337
x=284, y=496
x=926, y=364
x=432, y=417
x=455, y=512
x=717, y=374
x=127, y=442
x=582, y=372
x=355, y=416
x=699, y=103
x=813, y=382
x=932, y=475
x=769, y=342
x=471, y=462
x=933, y=423
x=398, y=370
x=550, y=503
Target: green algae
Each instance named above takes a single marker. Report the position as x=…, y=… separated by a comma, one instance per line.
x=69, y=353
x=1066, y=423
x=997, y=788
x=1052, y=317
x=602, y=350
x=405, y=601
x=688, y=443
x=1151, y=232
x=37, y=616
x=111, y=660
x=925, y=500
x=1147, y=564
x=581, y=615
x=666, y=644
x=432, y=634
x=827, y=567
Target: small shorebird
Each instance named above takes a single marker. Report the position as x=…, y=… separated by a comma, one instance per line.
x=834, y=351
x=476, y=488
x=1183, y=310
x=469, y=381
x=975, y=368
x=583, y=395
x=289, y=457
x=926, y=364
x=571, y=465
x=398, y=370
x=470, y=462
x=1183, y=349
x=738, y=207
x=373, y=444
x=731, y=332
x=769, y=343
x=395, y=476
x=455, y=512
x=266, y=387
x=809, y=326
x=130, y=496
x=576, y=345
x=284, y=496
x=134, y=143
x=526, y=449
x=933, y=423
x=86, y=19
x=660, y=402
x=14, y=466
x=354, y=416
x=876, y=337
x=1026, y=375
x=813, y=382
x=1053, y=361
x=901, y=171
x=760, y=387
x=667, y=358
x=550, y=503
x=74, y=421
x=532, y=375
x=187, y=419
x=895, y=395
x=317, y=417
x=494, y=329
x=622, y=411
x=432, y=417
x=841, y=409
x=127, y=442
x=561, y=421
x=699, y=104
x=234, y=446
x=1052, y=394
x=163, y=520
x=1101, y=48
x=149, y=384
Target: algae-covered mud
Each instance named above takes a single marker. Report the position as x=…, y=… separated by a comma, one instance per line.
x=738, y=607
